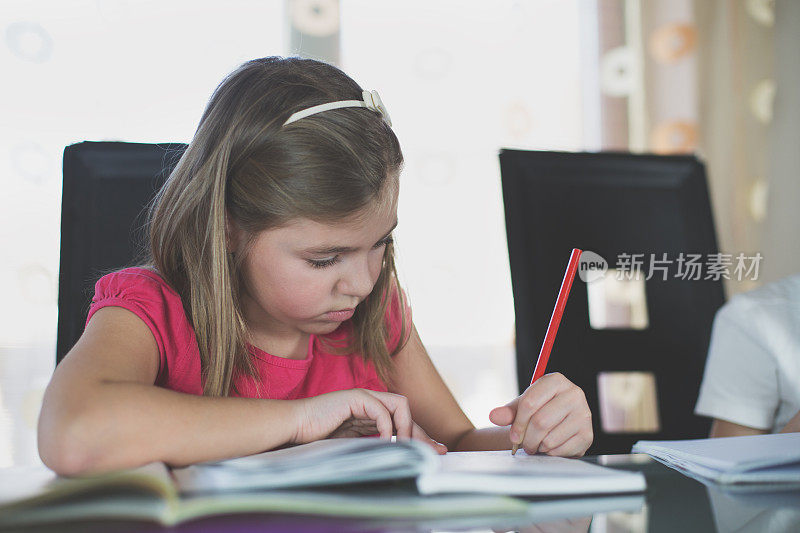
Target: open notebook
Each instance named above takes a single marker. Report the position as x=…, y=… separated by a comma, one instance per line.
x=317, y=478
x=338, y=461
x=731, y=460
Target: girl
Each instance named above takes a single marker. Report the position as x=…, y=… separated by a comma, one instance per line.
x=269, y=312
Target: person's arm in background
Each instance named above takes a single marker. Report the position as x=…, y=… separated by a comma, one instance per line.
x=740, y=385
x=723, y=428
x=793, y=425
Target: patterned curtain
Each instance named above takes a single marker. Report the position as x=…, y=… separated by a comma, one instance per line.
x=700, y=76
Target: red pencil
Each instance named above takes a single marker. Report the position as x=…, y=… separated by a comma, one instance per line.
x=555, y=320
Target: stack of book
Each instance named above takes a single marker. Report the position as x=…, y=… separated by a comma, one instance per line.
x=770, y=460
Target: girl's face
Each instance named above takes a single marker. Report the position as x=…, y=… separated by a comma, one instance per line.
x=295, y=275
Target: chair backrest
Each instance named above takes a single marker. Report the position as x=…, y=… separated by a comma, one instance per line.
x=614, y=204
x=106, y=188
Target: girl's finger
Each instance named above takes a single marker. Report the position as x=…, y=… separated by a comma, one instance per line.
x=546, y=419
x=570, y=426
x=419, y=434
x=533, y=399
x=504, y=415
x=397, y=405
x=578, y=418
x=576, y=446
x=376, y=410
x=543, y=420
x=364, y=426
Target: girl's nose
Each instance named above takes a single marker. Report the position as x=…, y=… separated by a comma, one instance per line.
x=357, y=280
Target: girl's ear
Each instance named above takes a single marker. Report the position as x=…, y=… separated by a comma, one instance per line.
x=232, y=233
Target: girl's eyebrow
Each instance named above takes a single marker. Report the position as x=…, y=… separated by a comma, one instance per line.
x=332, y=249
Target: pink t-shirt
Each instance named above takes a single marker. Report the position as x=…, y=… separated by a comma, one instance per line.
x=147, y=295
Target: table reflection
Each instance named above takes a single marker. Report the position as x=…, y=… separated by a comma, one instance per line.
x=756, y=511
x=570, y=525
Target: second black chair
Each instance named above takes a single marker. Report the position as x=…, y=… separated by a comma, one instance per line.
x=623, y=207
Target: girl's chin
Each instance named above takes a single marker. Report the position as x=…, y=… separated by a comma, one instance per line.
x=322, y=328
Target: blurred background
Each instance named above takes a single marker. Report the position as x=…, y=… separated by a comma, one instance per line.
x=461, y=80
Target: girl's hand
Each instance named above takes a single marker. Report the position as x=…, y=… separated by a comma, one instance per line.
x=550, y=417
x=356, y=413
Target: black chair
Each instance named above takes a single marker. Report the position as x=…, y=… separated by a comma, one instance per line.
x=106, y=189
x=612, y=204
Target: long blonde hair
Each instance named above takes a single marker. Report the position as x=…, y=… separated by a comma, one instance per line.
x=242, y=160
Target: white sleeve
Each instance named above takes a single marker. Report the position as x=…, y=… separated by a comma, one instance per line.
x=740, y=383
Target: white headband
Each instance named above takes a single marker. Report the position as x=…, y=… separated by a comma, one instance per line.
x=371, y=101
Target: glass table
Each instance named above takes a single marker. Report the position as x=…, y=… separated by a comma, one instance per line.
x=672, y=503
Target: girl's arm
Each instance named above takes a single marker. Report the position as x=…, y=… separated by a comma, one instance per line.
x=433, y=406
x=101, y=410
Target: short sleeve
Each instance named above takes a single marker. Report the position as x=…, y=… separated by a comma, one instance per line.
x=394, y=319
x=142, y=295
x=740, y=383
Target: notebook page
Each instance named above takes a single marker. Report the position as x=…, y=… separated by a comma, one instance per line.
x=503, y=473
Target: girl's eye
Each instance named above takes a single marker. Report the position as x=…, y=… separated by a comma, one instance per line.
x=335, y=259
x=324, y=263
